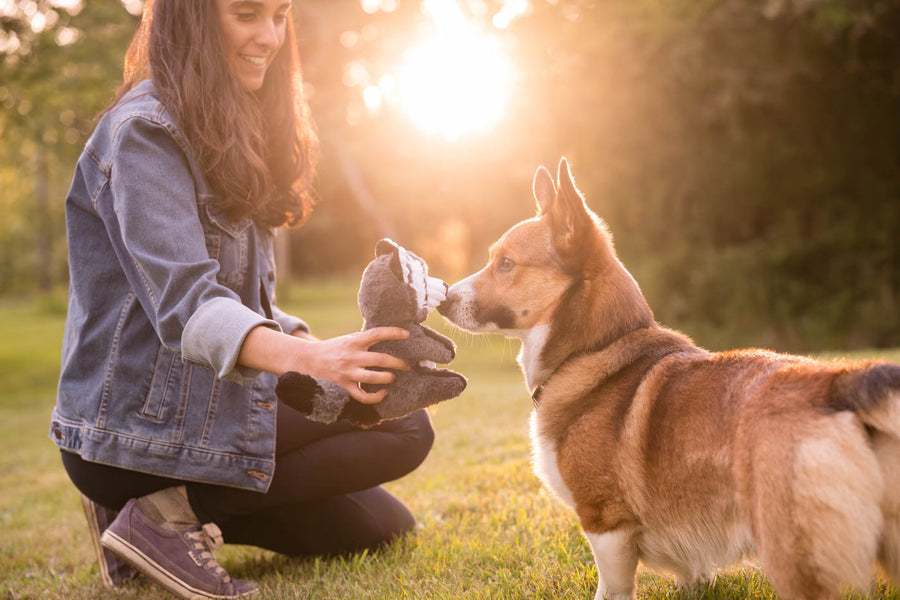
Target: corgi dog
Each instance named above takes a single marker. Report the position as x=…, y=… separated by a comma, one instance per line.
x=673, y=456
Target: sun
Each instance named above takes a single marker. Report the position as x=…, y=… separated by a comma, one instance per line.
x=458, y=80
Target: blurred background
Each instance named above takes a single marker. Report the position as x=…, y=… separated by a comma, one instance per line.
x=745, y=153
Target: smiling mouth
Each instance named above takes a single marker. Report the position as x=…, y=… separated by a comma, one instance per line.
x=259, y=61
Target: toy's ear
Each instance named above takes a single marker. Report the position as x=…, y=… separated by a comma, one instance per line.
x=388, y=246
x=385, y=246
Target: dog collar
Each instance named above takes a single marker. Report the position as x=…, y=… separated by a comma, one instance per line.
x=539, y=390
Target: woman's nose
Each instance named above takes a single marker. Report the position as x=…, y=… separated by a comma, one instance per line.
x=267, y=35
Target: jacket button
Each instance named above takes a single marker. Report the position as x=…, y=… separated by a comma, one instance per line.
x=271, y=275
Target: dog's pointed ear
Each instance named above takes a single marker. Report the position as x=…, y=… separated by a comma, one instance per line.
x=544, y=190
x=570, y=218
x=567, y=190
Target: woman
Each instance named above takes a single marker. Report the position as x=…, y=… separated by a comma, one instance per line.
x=166, y=413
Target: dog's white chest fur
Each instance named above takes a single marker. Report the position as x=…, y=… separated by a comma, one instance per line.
x=545, y=465
x=529, y=358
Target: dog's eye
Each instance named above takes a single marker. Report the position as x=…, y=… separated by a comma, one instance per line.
x=505, y=265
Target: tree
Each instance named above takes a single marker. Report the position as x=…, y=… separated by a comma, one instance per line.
x=745, y=153
x=59, y=61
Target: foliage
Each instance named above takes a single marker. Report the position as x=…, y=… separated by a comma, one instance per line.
x=757, y=188
x=52, y=83
x=746, y=154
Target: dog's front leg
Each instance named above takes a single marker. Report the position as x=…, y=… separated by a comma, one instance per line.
x=616, y=557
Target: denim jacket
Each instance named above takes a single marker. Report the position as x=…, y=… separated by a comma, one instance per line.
x=163, y=290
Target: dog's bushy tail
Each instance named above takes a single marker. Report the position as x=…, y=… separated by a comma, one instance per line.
x=872, y=392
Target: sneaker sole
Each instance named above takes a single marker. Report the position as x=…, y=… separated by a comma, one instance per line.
x=94, y=528
x=157, y=572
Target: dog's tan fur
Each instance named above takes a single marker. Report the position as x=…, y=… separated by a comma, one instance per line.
x=681, y=458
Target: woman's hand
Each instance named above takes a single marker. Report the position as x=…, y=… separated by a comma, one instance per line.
x=344, y=360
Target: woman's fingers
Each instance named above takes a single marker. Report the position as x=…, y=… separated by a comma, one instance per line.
x=380, y=334
x=369, y=376
x=375, y=377
x=361, y=395
x=385, y=361
x=347, y=361
x=372, y=336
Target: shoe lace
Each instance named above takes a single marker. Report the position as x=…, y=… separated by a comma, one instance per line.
x=206, y=541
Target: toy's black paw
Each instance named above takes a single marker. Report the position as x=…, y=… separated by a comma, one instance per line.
x=361, y=415
x=297, y=391
x=434, y=385
x=446, y=384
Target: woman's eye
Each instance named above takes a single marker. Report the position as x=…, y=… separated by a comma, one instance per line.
x=505, y=265
x=246, y=17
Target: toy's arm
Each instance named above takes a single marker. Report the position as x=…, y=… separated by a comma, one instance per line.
x=439, y=348
x=423, y=344
x=318, y=399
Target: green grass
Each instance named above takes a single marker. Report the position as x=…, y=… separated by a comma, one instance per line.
x=487, y=529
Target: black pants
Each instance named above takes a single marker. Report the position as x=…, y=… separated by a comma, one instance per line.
x=324, y=497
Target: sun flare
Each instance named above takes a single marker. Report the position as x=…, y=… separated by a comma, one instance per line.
x=457, y=81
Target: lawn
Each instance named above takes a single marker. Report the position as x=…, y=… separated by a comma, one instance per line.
x=487, y=530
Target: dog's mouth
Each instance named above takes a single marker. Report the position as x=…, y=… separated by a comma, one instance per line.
x=466, y=313
x=497, y=318
x=459, y=310
x=445, y=308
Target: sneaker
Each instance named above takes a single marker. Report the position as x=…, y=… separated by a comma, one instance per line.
x=113, y=571
x=182, y=561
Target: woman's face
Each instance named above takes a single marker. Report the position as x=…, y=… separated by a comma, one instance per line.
x=253, y=31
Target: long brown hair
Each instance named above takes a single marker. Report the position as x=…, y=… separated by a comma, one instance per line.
x=256, y=150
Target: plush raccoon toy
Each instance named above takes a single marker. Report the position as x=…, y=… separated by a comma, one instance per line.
x=395, y=291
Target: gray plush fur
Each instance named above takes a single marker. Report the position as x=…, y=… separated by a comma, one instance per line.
x=393, y=292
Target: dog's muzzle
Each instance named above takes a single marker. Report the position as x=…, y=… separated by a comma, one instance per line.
x=446, y=307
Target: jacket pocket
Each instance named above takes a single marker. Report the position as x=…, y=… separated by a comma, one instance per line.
x=227, y=243
x=163, y=384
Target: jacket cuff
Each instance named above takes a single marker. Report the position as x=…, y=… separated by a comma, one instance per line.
x=214, y=334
